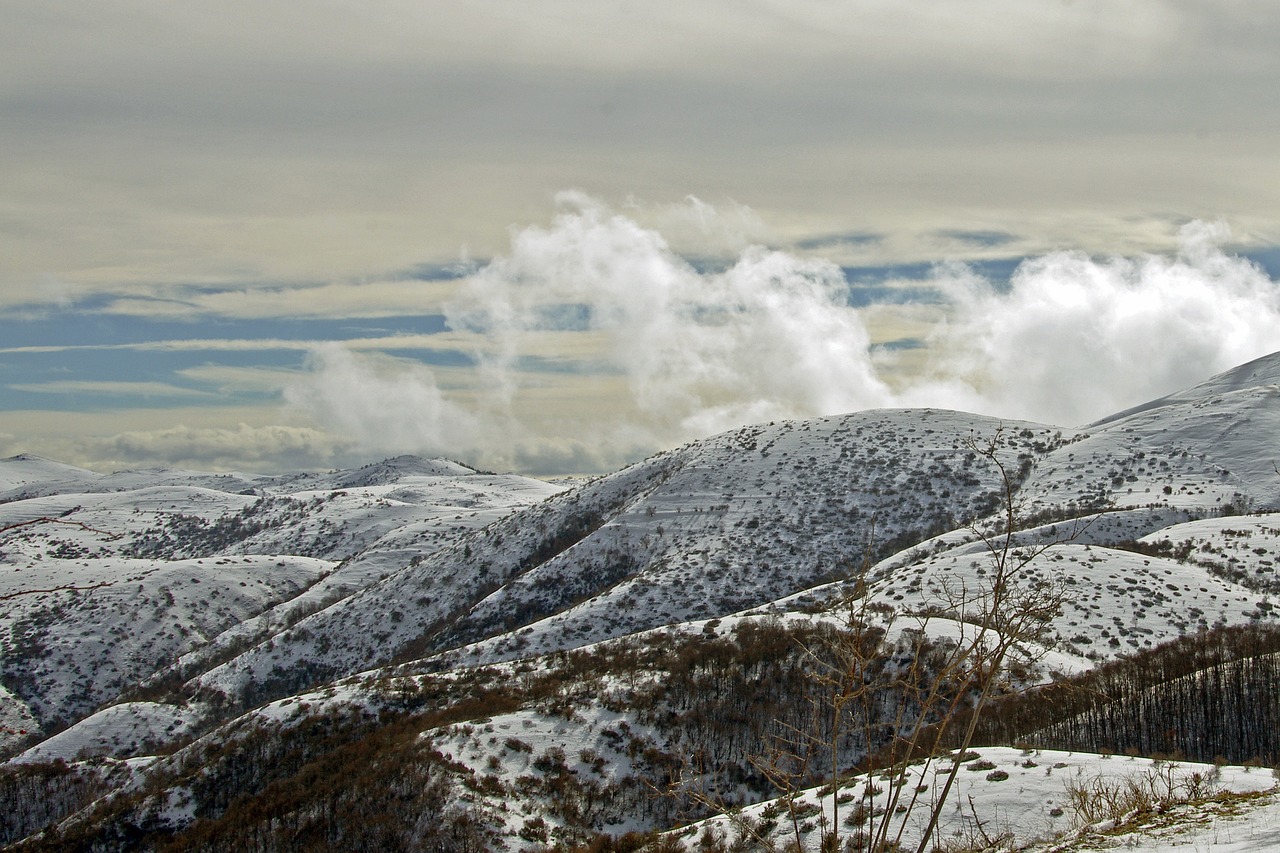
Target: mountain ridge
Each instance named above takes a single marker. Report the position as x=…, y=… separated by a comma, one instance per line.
x=430, y=580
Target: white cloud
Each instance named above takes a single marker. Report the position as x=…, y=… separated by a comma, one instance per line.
x=116, y=388
x=387, y=405
x=770, y=337
x=694, y=228
x=1070, y=339
x=243, y=447
x=1074, y=339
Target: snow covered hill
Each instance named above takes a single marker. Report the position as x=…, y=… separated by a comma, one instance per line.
x=113, y=580
x=28, y=475
x=718, y=526
x=753, y=515
x=231, y=608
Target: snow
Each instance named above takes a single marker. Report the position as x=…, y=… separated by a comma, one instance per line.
x=152, y=599
x=755, y=515
x=126, y=728
x=18, y=473
x=1024, y=793
x=74, y=649
x=1247, y=826
x=243, y=584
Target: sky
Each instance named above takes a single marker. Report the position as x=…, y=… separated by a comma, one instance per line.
x=556, y=236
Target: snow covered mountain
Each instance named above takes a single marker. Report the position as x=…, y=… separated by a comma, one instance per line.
x=538, y=636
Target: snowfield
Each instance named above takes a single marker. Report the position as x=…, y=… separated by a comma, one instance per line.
x=1025, y=797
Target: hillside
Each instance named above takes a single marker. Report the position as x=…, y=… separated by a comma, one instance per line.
x=555, y=654
x=136, y=576
x=709, y=529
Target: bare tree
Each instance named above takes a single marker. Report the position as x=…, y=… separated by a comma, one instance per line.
x=890, y=692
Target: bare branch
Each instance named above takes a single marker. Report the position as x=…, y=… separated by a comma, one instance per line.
x=44, y=519
x=70, y=587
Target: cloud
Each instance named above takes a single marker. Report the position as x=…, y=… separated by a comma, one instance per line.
x=230, y=379
x=375, y=404
x=386, y=405
x=985, y=239
x=115, y=389
x=1073, y=339
x=270, y=447
x=427, y=342
x=838, y=242
x=770, y=337
x=1068, y=339
x=694, y=228
x=345, y=299
x=172, y=144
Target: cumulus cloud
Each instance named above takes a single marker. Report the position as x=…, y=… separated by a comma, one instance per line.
x=770, y=337
x=1073, y=339
x=1068, y=339
x=374, y=404
x=695, y=228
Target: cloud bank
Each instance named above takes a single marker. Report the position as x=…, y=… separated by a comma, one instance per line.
x=674, y=352
x=1073, y=339
x=243, y=447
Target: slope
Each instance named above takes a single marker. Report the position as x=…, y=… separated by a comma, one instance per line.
x=717, y=526
x=726, y=540
x=753, y=515
x=112, y=581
